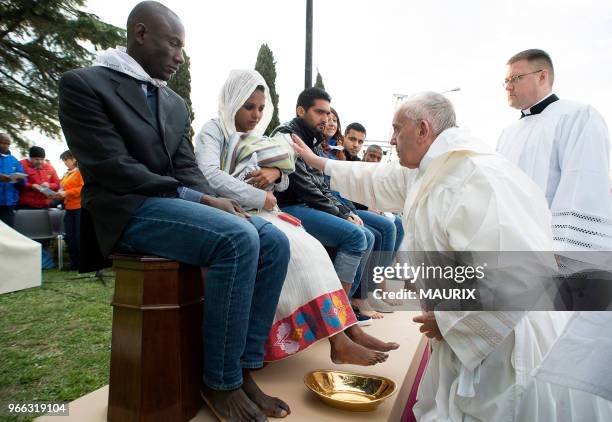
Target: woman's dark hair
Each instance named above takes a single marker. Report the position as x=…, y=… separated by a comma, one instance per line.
x=260, y=88
x=338, y=135
x=67, y=155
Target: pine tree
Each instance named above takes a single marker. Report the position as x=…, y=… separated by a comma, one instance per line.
x=40, y=40
x=181, y=84
x=266, y=66
x=319, y=82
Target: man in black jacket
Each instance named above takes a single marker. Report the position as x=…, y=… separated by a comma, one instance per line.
x=310, y=199
x=144, y=193
x=322, y=214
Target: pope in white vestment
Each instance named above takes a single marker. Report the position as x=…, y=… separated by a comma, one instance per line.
x=461, y=196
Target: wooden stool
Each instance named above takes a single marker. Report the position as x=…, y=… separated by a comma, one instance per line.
x=156, y=355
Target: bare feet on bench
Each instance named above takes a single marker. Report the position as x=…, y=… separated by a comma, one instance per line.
x=232, y=406
x=365, y=309
x=359, y=336
x=270, y=406
x=344, y=350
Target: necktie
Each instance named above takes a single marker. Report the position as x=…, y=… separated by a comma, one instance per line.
x=152, y=99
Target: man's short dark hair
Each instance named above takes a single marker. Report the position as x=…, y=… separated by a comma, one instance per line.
x=36, y=152
x=376, y=147
x=307, y=97
x=358, y=127
x=534, y=55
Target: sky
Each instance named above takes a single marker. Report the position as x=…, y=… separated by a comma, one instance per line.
x=367, y=51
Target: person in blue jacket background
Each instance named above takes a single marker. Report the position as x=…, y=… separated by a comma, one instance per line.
x=9, y=185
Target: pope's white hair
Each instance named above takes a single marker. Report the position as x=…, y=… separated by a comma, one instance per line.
x=431, y=106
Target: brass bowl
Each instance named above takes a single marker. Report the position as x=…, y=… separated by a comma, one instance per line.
x=349, y=391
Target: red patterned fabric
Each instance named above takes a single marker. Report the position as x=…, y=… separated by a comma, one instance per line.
x=322, y=317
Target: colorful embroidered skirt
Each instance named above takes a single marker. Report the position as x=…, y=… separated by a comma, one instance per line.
x=312, y=304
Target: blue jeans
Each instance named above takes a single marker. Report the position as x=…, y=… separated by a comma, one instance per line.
x=363, y=265
x=385, y=242
x=247, y=264
x=350, y=240
x=399, y=233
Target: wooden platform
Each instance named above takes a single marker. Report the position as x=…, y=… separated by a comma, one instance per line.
x=285, y=379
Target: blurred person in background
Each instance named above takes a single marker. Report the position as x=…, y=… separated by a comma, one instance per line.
x=12, y=178
x=70, y=193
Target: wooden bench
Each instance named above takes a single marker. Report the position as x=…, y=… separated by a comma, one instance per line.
x=156, y=355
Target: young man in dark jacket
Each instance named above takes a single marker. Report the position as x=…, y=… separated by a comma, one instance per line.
x=309, y=198
x=322, y=214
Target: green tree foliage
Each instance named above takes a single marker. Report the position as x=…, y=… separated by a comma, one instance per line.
x=267, y=67
x=181, y=84
x=40, y=40
x=319, y=82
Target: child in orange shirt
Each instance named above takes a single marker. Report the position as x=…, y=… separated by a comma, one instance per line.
x=71, y=185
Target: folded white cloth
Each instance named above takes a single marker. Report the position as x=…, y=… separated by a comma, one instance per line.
x=582, y=357
x=20, y=260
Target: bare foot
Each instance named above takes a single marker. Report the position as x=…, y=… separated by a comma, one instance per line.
x=355, y=333
x=344, y=350
x=232, y=406
x=270, y=406
x=365, y=309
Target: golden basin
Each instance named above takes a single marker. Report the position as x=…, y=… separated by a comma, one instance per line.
x=349, y=391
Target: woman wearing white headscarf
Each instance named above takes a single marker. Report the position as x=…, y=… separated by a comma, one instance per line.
x=313, y=304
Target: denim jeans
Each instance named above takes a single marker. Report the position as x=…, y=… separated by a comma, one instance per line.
x=72, y=225
x=399, y=233
x=350, y=240
x=360, y=277
x=385, y=241
x=247, y=264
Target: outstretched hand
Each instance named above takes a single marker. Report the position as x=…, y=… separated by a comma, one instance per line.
x=307, y=154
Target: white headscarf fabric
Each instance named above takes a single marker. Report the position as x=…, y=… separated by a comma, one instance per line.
x=235, y=92
x=118, y=59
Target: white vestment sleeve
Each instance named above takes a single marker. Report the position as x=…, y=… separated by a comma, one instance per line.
x=379, y=186
x=582, y=205
x=474, y=335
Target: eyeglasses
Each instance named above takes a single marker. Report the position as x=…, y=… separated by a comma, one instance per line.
x=514, y=79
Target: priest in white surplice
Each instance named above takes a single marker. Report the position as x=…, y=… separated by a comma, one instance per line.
x=564, y=147
x=456, y=194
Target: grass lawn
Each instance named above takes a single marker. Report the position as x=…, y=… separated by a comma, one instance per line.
x=54, y=340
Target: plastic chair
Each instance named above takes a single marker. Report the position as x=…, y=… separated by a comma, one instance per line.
x=42, y=224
